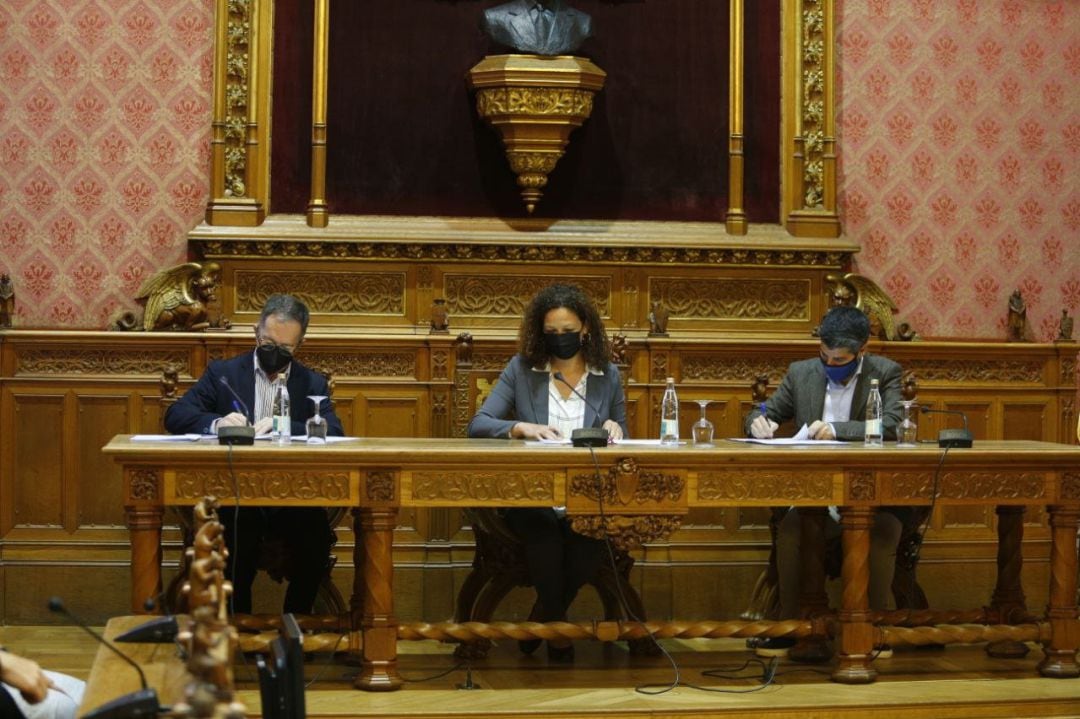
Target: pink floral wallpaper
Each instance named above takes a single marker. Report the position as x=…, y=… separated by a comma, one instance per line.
x=960, y=146
x=104, y=137
x=959, y=126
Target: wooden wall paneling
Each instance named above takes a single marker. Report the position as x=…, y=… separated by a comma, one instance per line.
x=1034, y=420
x=98, y=498
x=40, y=447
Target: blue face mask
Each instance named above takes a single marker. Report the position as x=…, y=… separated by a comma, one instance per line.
x=839, y=373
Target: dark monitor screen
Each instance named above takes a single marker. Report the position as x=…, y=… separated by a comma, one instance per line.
x=281, y=675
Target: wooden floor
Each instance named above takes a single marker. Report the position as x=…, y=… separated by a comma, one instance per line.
x=953, y=682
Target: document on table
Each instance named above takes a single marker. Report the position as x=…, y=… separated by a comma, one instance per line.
x=801, y=437
x=170, y=437
x=303, y=438
x=566, y=440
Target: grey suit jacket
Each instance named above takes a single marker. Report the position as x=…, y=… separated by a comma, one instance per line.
x=521, y=395
x=801, y=397
x=510, y=24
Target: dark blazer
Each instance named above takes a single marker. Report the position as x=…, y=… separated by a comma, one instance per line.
x=510, y=24
x=801, y=397
x=522, y=394
x=208, y=399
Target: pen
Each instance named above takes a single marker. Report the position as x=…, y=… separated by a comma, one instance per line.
x=236, y=406
x=764, y=413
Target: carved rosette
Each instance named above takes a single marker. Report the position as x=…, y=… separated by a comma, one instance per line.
x=1070, y=486
x=379, y=485
x=483, y=486
x=763, y=485
x=626, y=532
x=861, y=486
x=143, y=484
x=535, y=103
x=264, y=484
x=625, y=484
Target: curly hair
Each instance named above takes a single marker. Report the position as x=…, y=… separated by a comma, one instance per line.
x=596, y=347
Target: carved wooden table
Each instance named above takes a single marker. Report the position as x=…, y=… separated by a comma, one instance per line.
x=645, y=490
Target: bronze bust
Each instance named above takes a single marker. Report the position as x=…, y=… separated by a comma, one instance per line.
x=538, y=27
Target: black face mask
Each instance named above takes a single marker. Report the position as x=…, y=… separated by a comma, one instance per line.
x=564, y=346
x=273, y=358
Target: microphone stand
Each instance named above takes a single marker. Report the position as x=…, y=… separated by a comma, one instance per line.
x=951, y=437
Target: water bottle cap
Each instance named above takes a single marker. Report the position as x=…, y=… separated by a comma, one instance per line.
x=670, y=380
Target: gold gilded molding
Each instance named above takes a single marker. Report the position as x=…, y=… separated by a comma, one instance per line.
x=965, y=485
x=765, y=484
x=363, y=364
x=534, y=101
x=268, y=483
x=483, y=486
x=143, y=484
x=507, y=295
x=371, y=293
x=626, y=532
x=981, y=371
x=379, y=485
x=84, y=361
x=721, y=368
x=736, y=215
x=318, y=212
x=732, y=298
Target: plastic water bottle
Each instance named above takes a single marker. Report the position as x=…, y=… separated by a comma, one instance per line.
x=669, y=415
x=281, y=433
x=872, y=438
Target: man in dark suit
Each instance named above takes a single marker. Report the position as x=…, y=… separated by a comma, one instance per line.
x=828, y=394
x=540, y=27
x=210, y=405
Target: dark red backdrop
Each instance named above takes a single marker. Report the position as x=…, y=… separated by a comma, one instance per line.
x=404, y=137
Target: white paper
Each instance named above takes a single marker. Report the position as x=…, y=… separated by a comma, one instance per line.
x=802, y=437
x=169, y=437
x=303, y=438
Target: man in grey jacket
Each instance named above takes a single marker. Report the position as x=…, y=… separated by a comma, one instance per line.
x=828, y=394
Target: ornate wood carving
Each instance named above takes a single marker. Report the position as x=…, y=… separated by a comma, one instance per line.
x=814, y=77
x=1070, y=486
x=955, y=371
x=659, y=368
x=762, y=484
x=732, y=298
x=237, y=87
x=80, y=361
x=626, y=484
x=440, y=364
x=507, y=295
x=626, y=532
x=478, y=252
x=720, y=368
x=143, y=484
x=364, y=364
x=861, y=486
x=266, y=484
x=373, y=293
x=966, y=485
x=485, y=487
x=380, y=485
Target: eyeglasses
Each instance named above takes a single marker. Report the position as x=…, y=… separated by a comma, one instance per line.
x=270, y=344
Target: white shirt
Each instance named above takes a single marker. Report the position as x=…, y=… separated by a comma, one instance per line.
x=839, y=397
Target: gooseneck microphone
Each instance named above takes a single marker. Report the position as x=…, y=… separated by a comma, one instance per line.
x=159, y=630
x=143, y=703
x=951, y=437
x=585, y=436
x=237, y=435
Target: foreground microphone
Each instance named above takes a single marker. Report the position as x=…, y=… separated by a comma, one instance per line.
x=951, y=437
x=585, y=436
x=159, y=630
x=143, y=703
x=236, y=435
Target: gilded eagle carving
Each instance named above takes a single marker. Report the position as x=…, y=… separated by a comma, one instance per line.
x=177, y=297
x=854, y=290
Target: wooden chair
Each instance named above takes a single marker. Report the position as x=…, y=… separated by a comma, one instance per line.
x=907, y=593
x=274, y=557
x=499, y=560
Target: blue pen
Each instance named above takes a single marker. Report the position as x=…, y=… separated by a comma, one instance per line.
x=761, y=408
x=236, y=406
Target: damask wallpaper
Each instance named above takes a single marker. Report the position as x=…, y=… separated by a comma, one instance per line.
x=960, y=147
x=960, y=136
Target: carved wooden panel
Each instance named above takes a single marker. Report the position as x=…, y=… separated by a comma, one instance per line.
x=713, y=367
x=752, y=485
x=483, y=487
x=331, y=487
x=39, y=441
x=978, y=517
x=367, y=364
x=965, y=485
x=506, y=295
x=393, y=413
x=726, y=298
x=81, y=360
x=331, y=293
x=1023, y=420
x=980, y=371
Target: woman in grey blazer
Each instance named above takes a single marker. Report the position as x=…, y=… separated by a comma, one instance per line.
x=562, y=379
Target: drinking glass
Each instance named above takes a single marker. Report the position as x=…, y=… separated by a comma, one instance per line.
x=907, y=431
x=316, y=425
x=702, y=430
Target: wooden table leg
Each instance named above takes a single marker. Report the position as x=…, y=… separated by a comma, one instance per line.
x=1060, y=660
x=1008, y=600
x=374, y=582
x=856, y=639
x=144, y=511
x=813, y=601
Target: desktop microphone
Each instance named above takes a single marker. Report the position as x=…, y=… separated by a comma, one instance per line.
x=142, y=703
x=237, y=435
x=585, y=436
x=951, y=437
x=159, y=630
